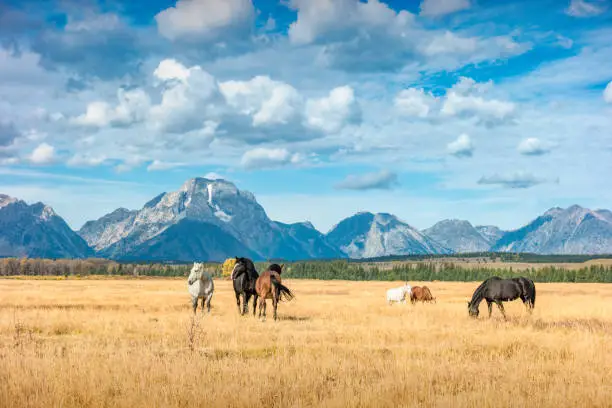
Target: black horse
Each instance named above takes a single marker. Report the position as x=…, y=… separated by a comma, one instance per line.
x=244, y=276
x=497, y=290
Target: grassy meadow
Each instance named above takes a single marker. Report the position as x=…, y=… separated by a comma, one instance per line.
x=135, y=343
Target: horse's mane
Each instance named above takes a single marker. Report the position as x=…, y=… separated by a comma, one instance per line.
x=275, y=268
x=250, y=267
x=478, y=293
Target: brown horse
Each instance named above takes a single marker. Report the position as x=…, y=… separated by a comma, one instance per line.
x=269, y=286
x=421, y=294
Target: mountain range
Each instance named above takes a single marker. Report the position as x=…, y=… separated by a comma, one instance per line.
x=213, y=220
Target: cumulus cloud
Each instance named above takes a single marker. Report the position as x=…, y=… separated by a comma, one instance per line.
x=382, y=180
x=193, y=104
x=330, y=114
x=370, y=36
x=205, y=19
x=442, y=7
x=264, y=158
x=265, y=100
x=515, y=180
x=414, y=102
x=462, y=147
x=584, y=8
x=533, y=147
x=607, y=94
x=43, y=154
x=93, y=45
x=333, y=20
x=465, y=99
x=133, y=107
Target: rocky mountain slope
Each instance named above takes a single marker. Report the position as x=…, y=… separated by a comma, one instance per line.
x=218, y=203
x=36, y=231
x=574, y=230
x=367, y=235
x=459, y=236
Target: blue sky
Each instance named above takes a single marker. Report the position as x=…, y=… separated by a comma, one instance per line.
x=474, y=109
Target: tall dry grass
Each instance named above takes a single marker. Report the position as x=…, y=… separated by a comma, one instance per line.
x=113, y=343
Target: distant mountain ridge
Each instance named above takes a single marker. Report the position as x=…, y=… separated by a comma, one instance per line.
x=367, y=235
x=212, y=220
x=36, y=231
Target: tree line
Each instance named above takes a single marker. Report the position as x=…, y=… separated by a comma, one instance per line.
x=323, y=270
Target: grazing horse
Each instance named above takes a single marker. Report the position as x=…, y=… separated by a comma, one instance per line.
x=421, y=294
x=244, y=275
x=200, y=286
x=269, y=286
x=398, y=294
x=497, y=290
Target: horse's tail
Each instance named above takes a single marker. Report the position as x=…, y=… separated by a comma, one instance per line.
x=282, y=292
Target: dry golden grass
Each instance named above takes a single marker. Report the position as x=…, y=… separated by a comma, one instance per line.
x=127, y=343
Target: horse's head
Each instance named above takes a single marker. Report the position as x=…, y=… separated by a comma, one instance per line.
x=242, y=265
x=197, y=267
x=276, y=268
x=473, y=310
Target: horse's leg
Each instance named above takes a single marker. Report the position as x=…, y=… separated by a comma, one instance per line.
x=194, y=303
x=490, y=306
x=274, y=303
x=247, y=297
x=501, y=309
x=238, y=301
x=265, y=304
x=261, y=305
x=208, y=299
x=254, y=304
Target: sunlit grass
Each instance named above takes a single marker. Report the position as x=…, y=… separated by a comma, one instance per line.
x=134, y=343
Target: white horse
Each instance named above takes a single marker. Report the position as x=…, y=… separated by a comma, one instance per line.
x=200, y=286
x=398, y=294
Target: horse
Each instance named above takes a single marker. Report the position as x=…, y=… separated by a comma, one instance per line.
x=244, y=275
x=497, y=290
x=200, y=286
x=269, y=286
x=422, y=294
x=398, y=294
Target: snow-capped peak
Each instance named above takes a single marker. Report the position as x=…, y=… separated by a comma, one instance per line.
x=6, y=200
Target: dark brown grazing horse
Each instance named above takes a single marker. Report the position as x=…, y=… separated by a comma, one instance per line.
x=421, y=294
x=269, y=286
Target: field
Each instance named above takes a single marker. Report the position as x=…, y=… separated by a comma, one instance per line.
x=133, y=343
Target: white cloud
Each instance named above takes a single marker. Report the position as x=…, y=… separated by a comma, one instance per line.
x=382, y=180
x=94, y=22
x=170, y=69
x=133, y=107
x=267, y=101
x=465, y=99
x=334, y=19
x=519, y=179
x=205, y=19
x=441, y=7
x=533, y=147
x=158, y=165
x=584, y=8
x=190, y=97
x=607, y=94
x=462, y=147
x=85, y=160
x=261, y=158
x=449, y=43
x=43, y=154
x=332, y=113
x=214, y=176
x=414, y=102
